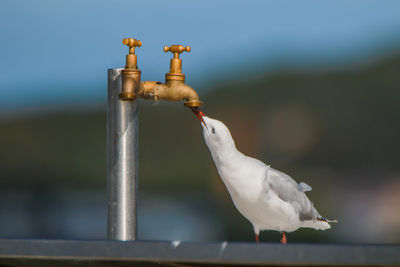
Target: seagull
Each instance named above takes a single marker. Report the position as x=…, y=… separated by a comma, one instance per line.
x=268, y=198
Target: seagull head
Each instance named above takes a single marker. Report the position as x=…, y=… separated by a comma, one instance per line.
x=216, y=134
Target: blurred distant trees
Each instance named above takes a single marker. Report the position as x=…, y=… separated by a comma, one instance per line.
x=338, y=130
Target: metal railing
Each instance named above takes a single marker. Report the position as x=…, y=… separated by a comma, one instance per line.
x=175, y=253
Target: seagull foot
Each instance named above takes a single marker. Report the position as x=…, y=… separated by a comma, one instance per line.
x=284, y=239
x=257, y=239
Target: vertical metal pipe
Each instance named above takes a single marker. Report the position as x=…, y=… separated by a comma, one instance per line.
x=122, y=161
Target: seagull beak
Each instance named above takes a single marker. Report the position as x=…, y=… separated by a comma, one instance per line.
x=199, y=114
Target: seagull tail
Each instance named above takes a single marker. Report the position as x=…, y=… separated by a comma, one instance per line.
x=316, y=224
x=327, y=220
x=320, y=223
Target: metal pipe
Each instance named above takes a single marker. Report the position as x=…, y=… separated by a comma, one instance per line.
x=124, y=88
x=122, y=161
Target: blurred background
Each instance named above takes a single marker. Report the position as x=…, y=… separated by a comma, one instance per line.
x=310, y=87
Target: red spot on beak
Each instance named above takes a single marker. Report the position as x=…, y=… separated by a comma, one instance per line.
x=199, y=114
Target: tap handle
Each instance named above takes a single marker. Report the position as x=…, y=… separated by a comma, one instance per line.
x=132, y=43
x=176, y=49
x=131, y=58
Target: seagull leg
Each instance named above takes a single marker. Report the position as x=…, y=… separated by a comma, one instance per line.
x=257, y=239
x=284, y=239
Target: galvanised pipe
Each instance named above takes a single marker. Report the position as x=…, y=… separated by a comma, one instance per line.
x=122, y=161
x=124, y=88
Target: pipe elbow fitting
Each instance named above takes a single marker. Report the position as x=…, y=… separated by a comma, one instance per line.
x=185, y=92
x=192, y=98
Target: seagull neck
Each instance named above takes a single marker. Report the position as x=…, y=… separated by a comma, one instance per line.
x=226, y=156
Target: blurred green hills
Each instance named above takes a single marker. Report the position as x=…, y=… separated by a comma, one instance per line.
x=343, y=119
x=335, y=128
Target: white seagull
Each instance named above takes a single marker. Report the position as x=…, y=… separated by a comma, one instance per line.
x=268, y=198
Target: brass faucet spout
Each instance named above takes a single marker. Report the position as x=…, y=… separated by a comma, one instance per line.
x=172, y=90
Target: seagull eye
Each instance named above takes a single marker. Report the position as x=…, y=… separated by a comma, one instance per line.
x=213, y=130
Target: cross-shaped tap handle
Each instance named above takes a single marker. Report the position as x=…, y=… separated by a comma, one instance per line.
x=176, y=49
x=132, y=43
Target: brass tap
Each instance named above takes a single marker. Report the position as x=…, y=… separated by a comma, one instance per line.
x=175, y=70
x=174, y=88
x=130, y=74
x=131, y=58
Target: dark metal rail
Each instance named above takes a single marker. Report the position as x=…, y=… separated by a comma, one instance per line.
x=25, y=252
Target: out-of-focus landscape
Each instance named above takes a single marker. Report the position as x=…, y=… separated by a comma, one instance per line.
x=335, y=127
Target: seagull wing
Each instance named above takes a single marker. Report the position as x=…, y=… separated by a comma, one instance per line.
x=290, y=191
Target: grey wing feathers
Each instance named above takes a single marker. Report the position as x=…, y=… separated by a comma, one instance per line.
x=288, y=190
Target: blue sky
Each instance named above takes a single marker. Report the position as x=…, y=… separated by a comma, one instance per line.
x=60, y=50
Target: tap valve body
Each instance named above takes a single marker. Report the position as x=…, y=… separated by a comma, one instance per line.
x=130, y=74
x=175, y=70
